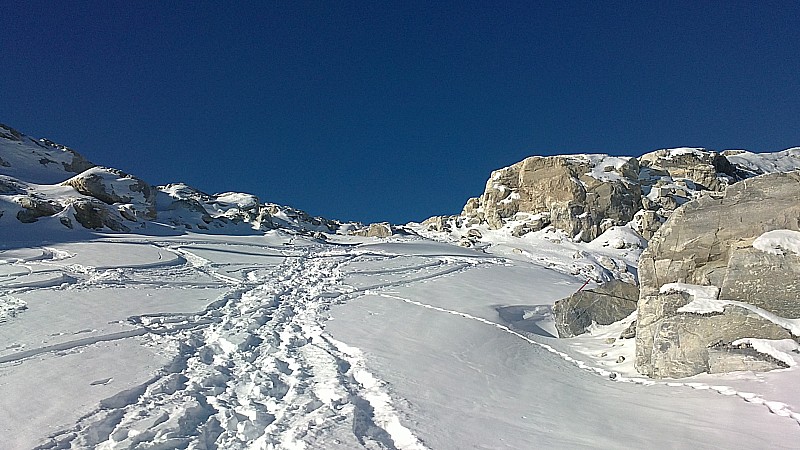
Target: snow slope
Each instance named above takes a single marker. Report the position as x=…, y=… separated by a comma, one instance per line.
x=225, y=323
x=280, y=341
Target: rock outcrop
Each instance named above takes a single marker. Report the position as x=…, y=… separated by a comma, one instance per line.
x=113, y=186
x=96, y=215
x=708, y=243
x=671, y=177
x=603, y=305
x=37, y=161
x=379, y=230
x=707, y=170
x=103, y=198
x=583, y=195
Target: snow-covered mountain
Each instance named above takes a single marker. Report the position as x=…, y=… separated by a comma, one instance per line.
x=139, y=316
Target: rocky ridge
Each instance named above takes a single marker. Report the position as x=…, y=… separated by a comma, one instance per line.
x=666, y=196
x=585, y=195
x=41, y=181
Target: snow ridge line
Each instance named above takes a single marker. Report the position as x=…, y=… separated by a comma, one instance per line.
x=775, y=407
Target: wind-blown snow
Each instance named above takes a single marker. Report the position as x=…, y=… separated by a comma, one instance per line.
x=778, y=242
x=760, y=163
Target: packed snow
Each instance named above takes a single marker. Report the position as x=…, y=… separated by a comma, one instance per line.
x=778, y=242
x=701, y=295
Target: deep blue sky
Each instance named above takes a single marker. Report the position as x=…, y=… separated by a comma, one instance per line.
x=392, y=110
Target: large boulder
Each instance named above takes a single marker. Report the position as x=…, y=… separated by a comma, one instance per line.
x=35, y=207
x=707, y=245
x=96, y=215
x=603, y=305
x=583, y=195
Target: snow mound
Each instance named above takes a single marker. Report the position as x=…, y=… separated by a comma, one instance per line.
x=778, y=242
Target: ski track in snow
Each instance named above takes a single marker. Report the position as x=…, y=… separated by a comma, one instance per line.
x=254, y=370
x=775, y=407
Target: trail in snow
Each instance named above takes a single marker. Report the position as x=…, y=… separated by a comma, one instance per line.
x=775, y=407
x=255, y=370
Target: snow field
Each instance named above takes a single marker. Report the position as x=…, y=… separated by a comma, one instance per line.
x=215, y=342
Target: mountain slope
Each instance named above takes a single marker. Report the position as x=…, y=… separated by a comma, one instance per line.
x=170, y=318
x=49, y=184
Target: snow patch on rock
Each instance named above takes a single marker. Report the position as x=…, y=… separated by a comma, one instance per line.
x=778, y=242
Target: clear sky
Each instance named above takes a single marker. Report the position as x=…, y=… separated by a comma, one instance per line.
x=382, y=110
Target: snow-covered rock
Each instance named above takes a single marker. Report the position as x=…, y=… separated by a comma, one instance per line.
x=38, y=182
x=751, y=164
x=37, y=161
x=112, y=186
x=583, y=195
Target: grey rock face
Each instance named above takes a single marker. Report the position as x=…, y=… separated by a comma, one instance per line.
x=9, y=133
x=768, y=281
x=96, y=215
x=34, y=208
x=9, y=186
x=708, y=242
x=78, y=163
x=604, y=305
